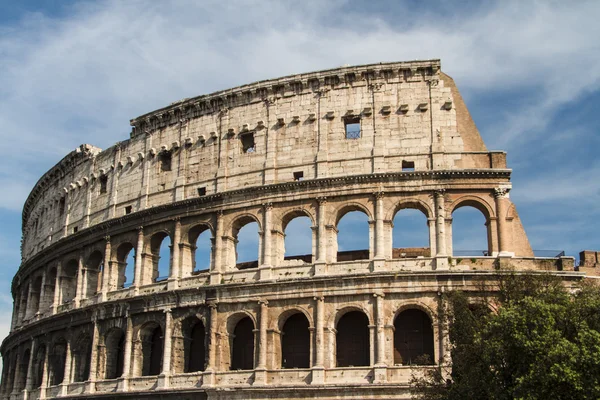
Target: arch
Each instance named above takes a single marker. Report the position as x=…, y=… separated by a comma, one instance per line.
x=94, y=266
x=38, y=366
x=57, y=359
x=298, y=239
x=410, y=232
x=36, y=291
x=50, y=286
x=469, y=238
x=194, y=336
x=246, y=241
x=126, y=264
x=411, y=203
x=413, y=338
x=238, y=222
x=81, y=356
x=351, y=206
x=290, y=215
x=23, y=366
x=200, y=239
x=353, y=237
x=160, y=249
x=473, y=201
x=352, y=340
x=242, y=346
x=295, y=341
x=23, y=301
x=68, y=280
x=152, y=339
x=114, y=342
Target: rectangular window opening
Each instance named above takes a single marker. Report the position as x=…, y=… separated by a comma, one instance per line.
x=165, y=161
x=201, y=191
x=299, y=175
x=75, y=229
x=128, y=210
x=61, y=206
x=408, y=166
x=352, y=127
x=103, y=184
x=248, y=145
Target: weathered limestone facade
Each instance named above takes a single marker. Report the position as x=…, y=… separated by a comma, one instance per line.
x=317, y=326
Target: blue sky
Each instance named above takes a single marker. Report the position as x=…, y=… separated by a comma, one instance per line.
x=75, y=72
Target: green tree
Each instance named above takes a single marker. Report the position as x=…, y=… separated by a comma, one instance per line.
x=541, y=342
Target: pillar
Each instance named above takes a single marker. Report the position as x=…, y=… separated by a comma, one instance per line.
x=267, y=262
x=79, y=290
x=440, y=230
x=209, y=373
x=320, y=263
x=42, y=300
x=318, y=370
x=215, y=273
x=139, y=250
x=175, y=273
x=502, y=203
x=167, y=345
x=57, y=295
x=44, y=380
x=91, y=387
x=29, y=379
x=127, y=350
x=260, y=377
x=379, y=258
x=67, y=373
x=106, y=270
x=431, y=224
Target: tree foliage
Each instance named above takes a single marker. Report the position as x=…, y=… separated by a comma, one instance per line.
x=534, y=340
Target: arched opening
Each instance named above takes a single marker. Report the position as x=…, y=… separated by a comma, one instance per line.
x=126, y=263
x=49, y=289
x=38, y=366
x=413, y=338
x=82, y=353
x=352, y=341
x=298, y=242
x=23, y=366
x=160, y=247
x=194, y=345
x=470, y=231
x=68, y=281
x=295, y=342
x=23, y=297
x=57, y=362
x=152, y=350
x=242, y=349
x=36, y=289
x=200, y=239
x=246, y=243
x=94, y=273
x=353, y=237
x=410, y=235
x=115, y=353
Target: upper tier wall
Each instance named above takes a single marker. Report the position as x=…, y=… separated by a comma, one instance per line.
x=407, y=112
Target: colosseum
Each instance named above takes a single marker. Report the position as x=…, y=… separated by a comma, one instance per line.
x=94, y=318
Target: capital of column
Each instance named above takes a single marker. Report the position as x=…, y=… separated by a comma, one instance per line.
x=140, y=229
x=176, y=219
x=107, y=238
x=219, y=213
x=263, y=302
x=379, y=195
x=268, y=206
x=319, y=298
x=212, y=304
x=379, y=294
x=167, y=311
x=321, y=200
x=439, y=193
x=501, y=192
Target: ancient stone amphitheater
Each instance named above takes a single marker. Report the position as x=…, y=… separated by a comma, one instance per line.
x=91, y=321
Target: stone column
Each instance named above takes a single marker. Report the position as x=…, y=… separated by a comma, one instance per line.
x=379, y=258
x=139, y=250
x=209, y=374
x=175, y=273
x=502, y=203
x=380, y=362
x=106, y=270
x=44, y=380
x=266, y=267
x=440, y=230
x=321, y=262
x=260, y=377
x=80, y=289
x=57, y=295
x=431, y=223
x=67, y=374
x=41, y=305
x=127, y=351
x=29, y=379
x=318, y=369
x=91, y=384
x=163, y=379
x=215, y=273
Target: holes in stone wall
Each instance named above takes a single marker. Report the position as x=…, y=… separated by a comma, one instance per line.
x=352, y=127
x=242, y=349
x=103, y=184
x=299, y=176
x=38, y=366
x=194, y=348
x=295, y=342
x=413, y=338
x=247, y=140
x=81, y=355
x=352, y=340
x=202, y=191
x=152, y=351
x=115, y=353
x=408, y=166
x=128, y=209
x=165, y=159
x=57, y=362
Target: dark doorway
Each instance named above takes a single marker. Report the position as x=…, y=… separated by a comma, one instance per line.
x=196, y=354
x=413, y=338
x=242, y=356
x=295, y=342
x=352, y=340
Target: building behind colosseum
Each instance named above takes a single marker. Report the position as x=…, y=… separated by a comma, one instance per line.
x=331, y=324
